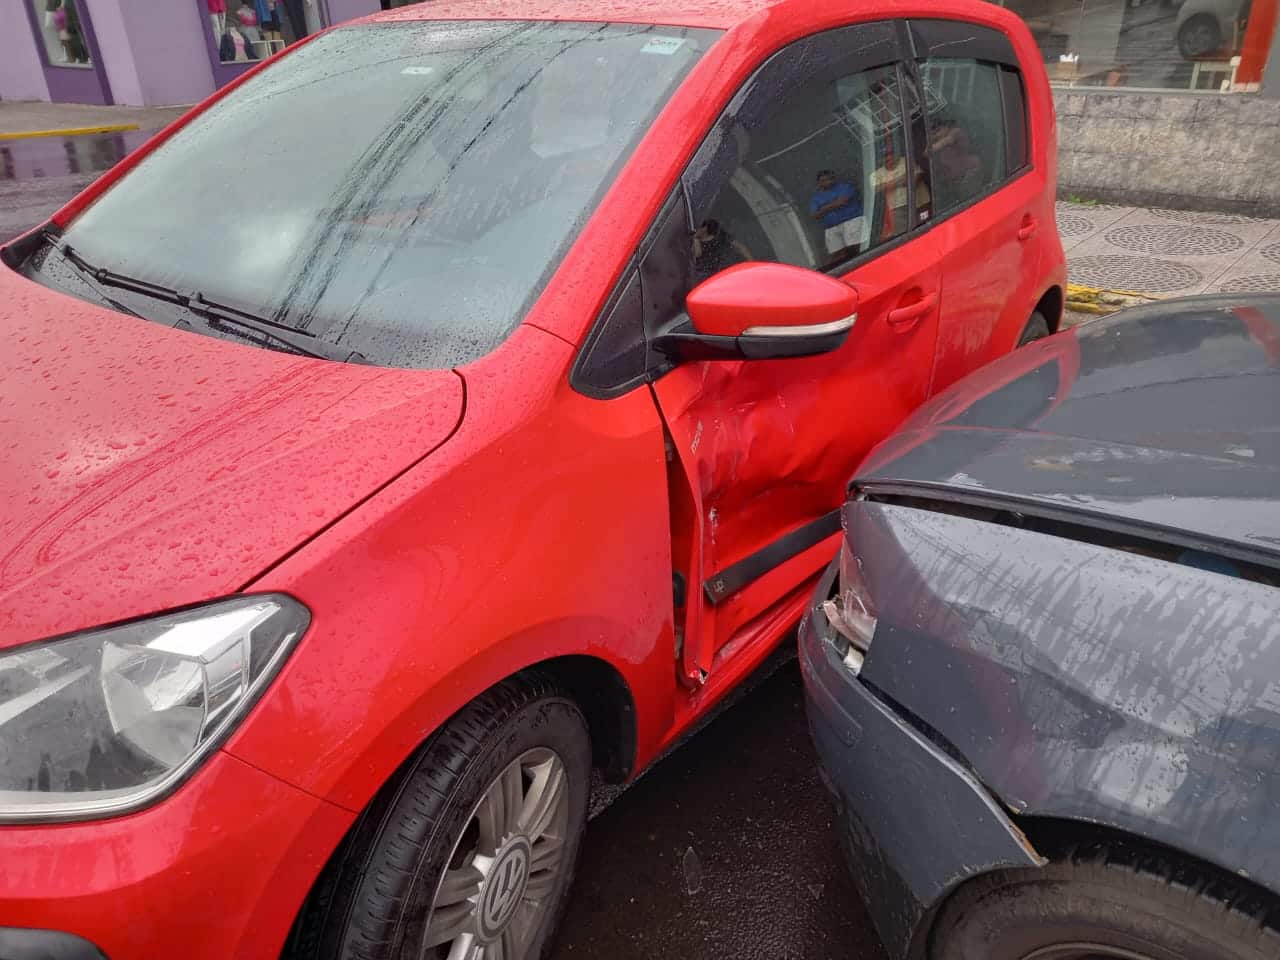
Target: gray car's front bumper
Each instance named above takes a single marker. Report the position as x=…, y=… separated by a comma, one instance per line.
x=914, y=823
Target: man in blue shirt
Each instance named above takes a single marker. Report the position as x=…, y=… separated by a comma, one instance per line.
x=837, y=205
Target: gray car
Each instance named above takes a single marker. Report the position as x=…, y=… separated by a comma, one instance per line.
x=1205, y=27
x=1043, y=676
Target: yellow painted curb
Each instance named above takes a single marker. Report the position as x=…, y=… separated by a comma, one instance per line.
x=70, y=131
x=1084, y=299
x=1078, y=291
x=1097, y=308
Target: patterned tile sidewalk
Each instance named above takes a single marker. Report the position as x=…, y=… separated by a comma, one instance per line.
x=1169, y=253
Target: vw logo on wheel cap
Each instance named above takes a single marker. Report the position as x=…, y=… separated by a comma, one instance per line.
x=504, y=888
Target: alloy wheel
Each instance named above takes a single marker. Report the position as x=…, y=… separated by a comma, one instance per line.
x=500, y=882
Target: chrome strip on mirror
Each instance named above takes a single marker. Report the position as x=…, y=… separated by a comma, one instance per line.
x=811, y=330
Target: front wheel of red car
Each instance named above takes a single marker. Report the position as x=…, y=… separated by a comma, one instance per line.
x=1097, y=906
x=470, y=852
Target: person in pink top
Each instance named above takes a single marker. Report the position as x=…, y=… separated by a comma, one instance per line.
x=248, y=20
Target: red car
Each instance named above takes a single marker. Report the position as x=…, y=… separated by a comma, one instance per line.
x=461, y=403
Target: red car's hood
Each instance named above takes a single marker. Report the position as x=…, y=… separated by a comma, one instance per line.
x=142, y=468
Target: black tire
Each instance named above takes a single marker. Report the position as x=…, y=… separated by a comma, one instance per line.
x=373, y=901
x=1140, y=907
x=1037, y=328
x=1200, y=36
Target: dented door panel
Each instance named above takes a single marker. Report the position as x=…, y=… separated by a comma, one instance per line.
x=769, y=446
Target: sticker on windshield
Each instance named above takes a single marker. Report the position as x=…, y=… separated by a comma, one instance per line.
x=665, y=46
x=418, y=71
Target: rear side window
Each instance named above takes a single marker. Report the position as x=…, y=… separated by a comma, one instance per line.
x=968, y=144
x=1015, y=118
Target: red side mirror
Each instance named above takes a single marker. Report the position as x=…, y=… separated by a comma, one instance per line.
x=771, y=299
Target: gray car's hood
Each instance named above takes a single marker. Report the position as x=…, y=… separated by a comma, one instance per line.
x=1166, y=416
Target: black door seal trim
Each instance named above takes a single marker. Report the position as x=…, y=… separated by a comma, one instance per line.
x=733, y=578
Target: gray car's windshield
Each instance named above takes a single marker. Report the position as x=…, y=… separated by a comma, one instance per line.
x=402, y=190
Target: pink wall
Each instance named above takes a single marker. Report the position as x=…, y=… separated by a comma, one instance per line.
x=21, y=76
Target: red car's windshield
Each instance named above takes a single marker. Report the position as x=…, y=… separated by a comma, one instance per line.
x=403, y=190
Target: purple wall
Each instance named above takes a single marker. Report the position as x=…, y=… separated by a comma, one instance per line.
x=340, y=10
x=153, y=53
x=21, y=74
x=113, y=41
x=169, y=46
x=156, y=50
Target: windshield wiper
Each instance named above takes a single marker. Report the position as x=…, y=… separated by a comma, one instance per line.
x=214, y=313
x=109, y=279
x=308, y=344
x=80, y=266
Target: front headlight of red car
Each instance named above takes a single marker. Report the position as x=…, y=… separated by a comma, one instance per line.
x=105, y=721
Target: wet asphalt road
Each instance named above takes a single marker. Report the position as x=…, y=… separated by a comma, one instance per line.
x=39, y=175
x=25, y=203
x=764, y=878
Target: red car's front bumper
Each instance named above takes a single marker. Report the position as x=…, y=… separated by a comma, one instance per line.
x=216, y=871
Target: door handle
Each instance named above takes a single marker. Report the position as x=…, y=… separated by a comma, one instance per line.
x=904, y=318
x=1028, y=228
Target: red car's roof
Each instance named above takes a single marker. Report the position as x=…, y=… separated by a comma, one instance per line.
x=720, y=14
x=715, y=14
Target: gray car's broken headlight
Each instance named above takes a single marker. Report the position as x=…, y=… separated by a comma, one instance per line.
x=851, y=611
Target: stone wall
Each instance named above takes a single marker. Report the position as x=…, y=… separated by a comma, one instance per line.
x=1188, y=151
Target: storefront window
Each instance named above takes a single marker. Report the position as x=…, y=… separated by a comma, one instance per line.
x=245, y=30
x=62, y=33
x=1153, y=44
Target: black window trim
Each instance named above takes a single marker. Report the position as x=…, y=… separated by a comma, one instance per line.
x=908, y=66
x=1005, y=113
x=580, y=375
x=944, y=38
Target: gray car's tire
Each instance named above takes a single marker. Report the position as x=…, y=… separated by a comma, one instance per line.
x=1200, y=36
x=1036, y=329
x=411, y=869
x=1089, y=904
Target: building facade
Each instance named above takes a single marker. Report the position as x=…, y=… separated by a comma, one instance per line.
x=177, y=51
x=148, y=54
x=1159, y=101
x=1164, y=102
